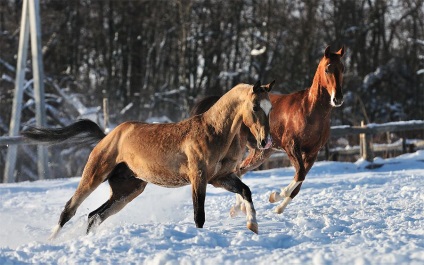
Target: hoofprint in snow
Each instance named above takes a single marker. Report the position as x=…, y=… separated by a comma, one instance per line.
x=346, y=214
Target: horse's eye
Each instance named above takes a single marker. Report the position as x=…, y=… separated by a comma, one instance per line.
x=255, y=108
x=327, y=69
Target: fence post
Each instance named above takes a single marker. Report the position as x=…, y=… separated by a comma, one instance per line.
x=30, y=22
x=15, y=121
x=38, y=76
x=365, y=143
x=106, y=114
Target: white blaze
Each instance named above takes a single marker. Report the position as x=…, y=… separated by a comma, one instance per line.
x=266, y=106
x=333, y=95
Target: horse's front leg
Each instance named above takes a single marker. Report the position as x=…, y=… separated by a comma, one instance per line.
x=198, y=188
x=233, y=184
x=238, y=206
x=293, y=189
x=254, y=159
x=289, y=192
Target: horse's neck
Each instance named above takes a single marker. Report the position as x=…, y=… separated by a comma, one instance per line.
x=318, y=97
x=225, y=117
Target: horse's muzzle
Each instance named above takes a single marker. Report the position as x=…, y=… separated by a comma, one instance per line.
x=337, y=102
x=265, y=144
x=337, y=98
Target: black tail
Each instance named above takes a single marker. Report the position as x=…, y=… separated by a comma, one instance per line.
x=80, y=132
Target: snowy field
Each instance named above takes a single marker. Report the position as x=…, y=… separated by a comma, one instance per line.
x=344, y=214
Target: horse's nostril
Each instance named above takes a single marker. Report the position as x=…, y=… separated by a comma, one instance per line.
x=337, y=101
x=263, y=143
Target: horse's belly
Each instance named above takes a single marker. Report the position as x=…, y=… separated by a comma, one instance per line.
x=169, y=183
x=165, y=179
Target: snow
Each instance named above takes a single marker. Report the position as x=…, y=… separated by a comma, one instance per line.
x=344, y=214
x=410, y=122
x=258, y=51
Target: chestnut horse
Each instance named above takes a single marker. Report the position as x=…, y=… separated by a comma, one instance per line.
x=192, y=151
x=300, y=125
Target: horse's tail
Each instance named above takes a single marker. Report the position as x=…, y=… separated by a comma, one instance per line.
x=80, y=132
x=203, y=105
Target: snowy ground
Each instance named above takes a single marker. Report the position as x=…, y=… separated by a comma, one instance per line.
x=344, y=214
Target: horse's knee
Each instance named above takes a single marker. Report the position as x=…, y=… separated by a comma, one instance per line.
x=300, y=174
x=300, y=177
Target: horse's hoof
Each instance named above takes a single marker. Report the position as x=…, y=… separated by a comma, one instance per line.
x=253, y=227
x=55, y=231
x=273, y=197
x=279, y=209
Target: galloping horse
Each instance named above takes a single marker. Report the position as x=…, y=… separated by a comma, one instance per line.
x=192, y=152
x=300, y=125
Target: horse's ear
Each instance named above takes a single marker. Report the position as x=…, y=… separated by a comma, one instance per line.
x=341, y=51
x=327, y=52
x=257, y=87
x=268, y=87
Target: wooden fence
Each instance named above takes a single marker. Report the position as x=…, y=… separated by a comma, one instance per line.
x=366, y=148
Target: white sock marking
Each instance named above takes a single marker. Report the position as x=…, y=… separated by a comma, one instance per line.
x=250, y=212
x=280, y=208
x=287, y=191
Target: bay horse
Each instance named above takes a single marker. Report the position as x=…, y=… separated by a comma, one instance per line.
x=190, y=152
x=300, y=125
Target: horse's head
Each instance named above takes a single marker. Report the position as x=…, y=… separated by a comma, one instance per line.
x=332, y=69
x=256, y=116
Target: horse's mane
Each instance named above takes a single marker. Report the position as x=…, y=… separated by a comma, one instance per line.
x=203, y=105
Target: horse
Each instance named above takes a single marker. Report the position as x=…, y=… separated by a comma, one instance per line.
x=190, y=152
x=300, y=126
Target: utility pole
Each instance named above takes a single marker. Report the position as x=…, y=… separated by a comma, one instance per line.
x=30, y=22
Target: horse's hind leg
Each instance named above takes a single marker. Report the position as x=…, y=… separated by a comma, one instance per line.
x=233, y=184
x=124, y=188
x=93, y=175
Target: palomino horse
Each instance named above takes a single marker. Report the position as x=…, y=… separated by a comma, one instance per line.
x=192, y=152
x=300, y=125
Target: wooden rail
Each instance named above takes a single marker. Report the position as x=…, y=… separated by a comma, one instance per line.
x=366, y=148
x=336, y=131
x=14, y=140
x=372, y=128
x=366, y=131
